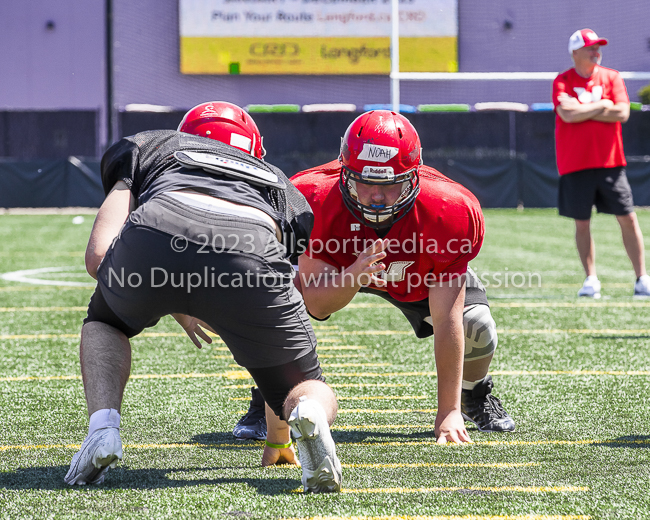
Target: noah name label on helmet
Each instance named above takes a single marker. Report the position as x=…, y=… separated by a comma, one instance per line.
x=378, y=174
x=377, y=153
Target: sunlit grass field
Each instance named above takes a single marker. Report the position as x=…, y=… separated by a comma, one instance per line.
x=574, y=374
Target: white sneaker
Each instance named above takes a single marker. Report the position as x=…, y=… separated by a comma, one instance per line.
x=100, y=451
x=590, y=288
x=321, y=468
x=642, y=287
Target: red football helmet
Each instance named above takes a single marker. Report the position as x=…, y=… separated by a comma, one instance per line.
x=224, y=122
x=380, y=147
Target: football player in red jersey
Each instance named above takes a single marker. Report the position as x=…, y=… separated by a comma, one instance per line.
x=386, y=224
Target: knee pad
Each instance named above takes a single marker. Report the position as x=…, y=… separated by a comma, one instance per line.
x=480, y=332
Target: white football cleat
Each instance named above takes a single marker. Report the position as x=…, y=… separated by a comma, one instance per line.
x=321, y=468
x=642, y=287
x=100, y=451
x=590, y=288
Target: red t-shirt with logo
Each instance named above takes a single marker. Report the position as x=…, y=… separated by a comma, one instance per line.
x=434, y=242
x=589, y=144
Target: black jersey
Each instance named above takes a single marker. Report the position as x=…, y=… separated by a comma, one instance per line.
x=146, y=163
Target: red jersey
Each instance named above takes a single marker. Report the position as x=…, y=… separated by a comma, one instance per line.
x=589, y=144
x=434, y=242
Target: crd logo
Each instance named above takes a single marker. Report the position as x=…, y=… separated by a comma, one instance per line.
x=274, y=49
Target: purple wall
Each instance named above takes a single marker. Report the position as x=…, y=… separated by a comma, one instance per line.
x=59, y=67
x=64, y=67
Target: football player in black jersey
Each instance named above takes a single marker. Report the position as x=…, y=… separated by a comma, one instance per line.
x=195, y=224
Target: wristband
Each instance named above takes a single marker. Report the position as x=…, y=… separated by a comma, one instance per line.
x=278, y=446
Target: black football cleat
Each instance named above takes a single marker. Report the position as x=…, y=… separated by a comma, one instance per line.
x=252, y=426
x=484, y=410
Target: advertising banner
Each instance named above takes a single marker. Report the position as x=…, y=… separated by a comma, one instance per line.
x=315, y=36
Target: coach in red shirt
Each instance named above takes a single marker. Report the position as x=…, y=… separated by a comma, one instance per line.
x=590, y=103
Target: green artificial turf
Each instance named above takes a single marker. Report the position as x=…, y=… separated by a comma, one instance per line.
x=574, y=374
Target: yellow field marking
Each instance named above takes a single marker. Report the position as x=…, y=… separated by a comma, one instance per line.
x=500, y=331
x=249, y=444
x=372, y=411
x=231, y=374
x=445, y=517
x=385, y=374
x=133, y=376
x=238, y=374
x=443, y=465
x=216, y=339
x=243, y=374
x=382, y=426
x=176, y=376
x=40, y=447
x=325, y=327
x=38, y=378
x=488, y=489
x=504, y=373
x=585, y=442
x=38, y=336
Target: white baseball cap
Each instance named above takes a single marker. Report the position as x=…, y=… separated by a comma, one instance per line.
x=584, y=38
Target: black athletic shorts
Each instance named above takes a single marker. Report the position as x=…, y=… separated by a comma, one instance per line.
x=417, y=312
x=606, y=188
x=228, y=271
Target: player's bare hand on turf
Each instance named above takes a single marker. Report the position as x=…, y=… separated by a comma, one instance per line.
x=192, y=327
x=451, y=428
x=369, y=263
x=276, y=457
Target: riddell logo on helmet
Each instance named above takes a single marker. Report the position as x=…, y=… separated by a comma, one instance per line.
x=378, y=173
x=209, y=112
x=377, y=153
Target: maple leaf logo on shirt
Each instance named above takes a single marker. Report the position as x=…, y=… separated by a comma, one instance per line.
x=584, y=96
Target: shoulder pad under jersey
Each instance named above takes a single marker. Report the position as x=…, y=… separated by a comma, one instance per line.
x=230, y=168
